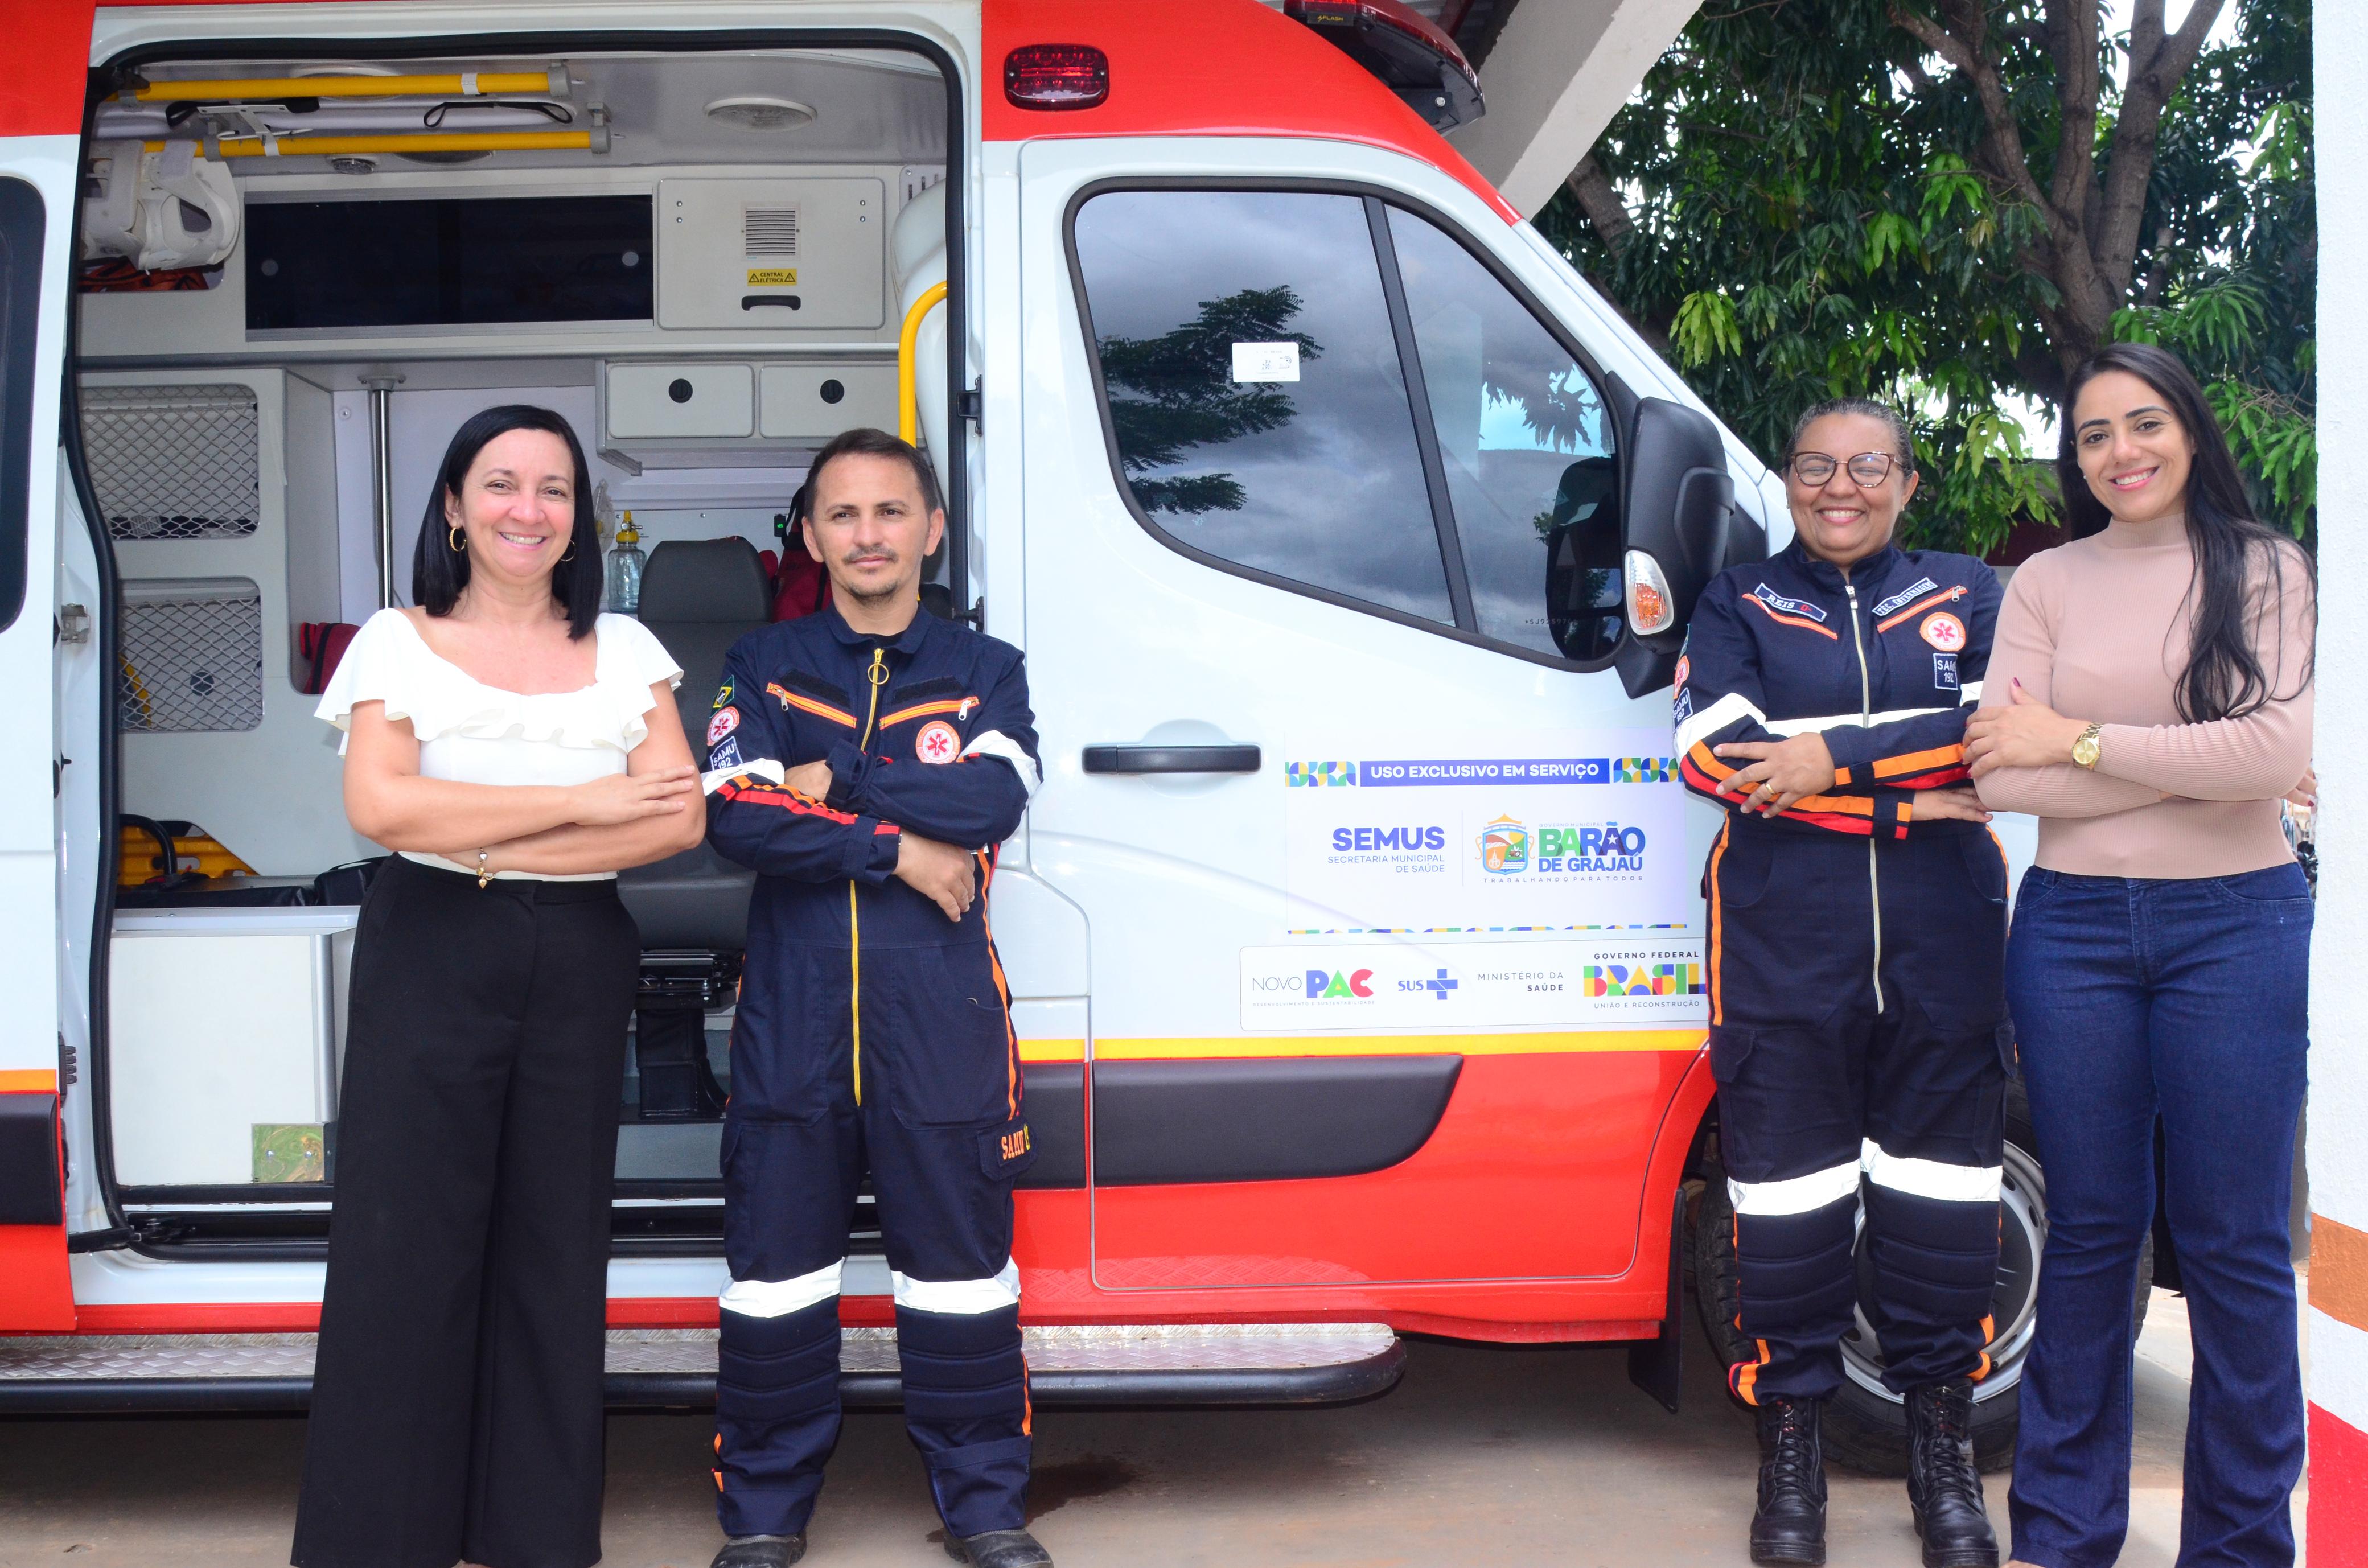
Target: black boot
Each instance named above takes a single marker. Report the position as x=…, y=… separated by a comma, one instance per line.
x=1944, y=1488
x=1790, y=1525
x=998, y=1548
x=760, y=1551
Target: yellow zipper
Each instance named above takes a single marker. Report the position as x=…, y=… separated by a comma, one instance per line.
x=1866, y=712
x=878, y=676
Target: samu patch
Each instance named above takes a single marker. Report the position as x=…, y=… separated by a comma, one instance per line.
x=1007, y=1149
x=725, y=756
x=1944, y=671
x=938, y=742
x=727, y=720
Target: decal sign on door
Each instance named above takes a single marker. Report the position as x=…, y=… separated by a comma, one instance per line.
x=1560, y=832
x=1448, y=986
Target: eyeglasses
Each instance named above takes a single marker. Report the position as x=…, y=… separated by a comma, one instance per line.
x=1866, y=471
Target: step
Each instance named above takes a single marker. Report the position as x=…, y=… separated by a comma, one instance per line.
x=1070, y=1367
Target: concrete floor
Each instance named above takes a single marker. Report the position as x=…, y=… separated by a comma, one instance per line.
x=1505, y=1457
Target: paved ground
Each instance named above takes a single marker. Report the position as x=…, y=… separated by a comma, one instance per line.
x=1482, y=1456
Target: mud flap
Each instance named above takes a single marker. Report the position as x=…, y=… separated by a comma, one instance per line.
x=1656, y=1365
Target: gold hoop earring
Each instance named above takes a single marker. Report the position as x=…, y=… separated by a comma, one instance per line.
x=452, y=538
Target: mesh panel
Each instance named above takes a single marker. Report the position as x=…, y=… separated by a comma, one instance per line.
x=192, y=657
x=174, y=462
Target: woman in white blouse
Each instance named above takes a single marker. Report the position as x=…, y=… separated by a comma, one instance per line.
x=516, y=748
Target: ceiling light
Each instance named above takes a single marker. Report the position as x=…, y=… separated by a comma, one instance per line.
x=754, y=113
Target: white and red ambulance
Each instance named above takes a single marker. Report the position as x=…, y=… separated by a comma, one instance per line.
x=1354, y=938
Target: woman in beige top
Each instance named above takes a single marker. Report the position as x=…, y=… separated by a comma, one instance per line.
x=2149, y=699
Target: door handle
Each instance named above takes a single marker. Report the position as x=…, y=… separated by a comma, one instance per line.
x=1171, y=759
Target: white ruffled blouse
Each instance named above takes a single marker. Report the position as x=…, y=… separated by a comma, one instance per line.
x=475, y=733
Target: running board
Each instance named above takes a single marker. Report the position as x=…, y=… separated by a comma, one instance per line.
x=1074, y=1367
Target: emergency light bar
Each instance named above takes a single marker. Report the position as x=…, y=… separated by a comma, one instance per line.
x=1414, y=59
x=1056, y=76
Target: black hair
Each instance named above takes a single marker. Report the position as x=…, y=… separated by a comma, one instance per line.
x=2237, y=556
x=439, y=572
x=1903, y=444
x=864, y=441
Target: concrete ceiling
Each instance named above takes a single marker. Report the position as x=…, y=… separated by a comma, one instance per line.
x=1553, y=72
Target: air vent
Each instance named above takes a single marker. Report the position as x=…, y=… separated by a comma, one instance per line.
x=761, y=113
x=770, y=230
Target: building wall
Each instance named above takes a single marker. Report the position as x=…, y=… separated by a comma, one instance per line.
x=2338, y=1068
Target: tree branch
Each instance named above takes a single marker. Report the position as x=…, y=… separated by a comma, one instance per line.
x=1599, y=200
x=2072, y=38
x=2156, y=65
x=1960, y=44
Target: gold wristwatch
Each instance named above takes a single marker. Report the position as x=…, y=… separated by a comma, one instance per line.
x=2086, y=750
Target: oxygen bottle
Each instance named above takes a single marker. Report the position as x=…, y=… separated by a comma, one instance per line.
x=625, y=562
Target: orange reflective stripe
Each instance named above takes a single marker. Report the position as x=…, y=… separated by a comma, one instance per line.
x=1945, y=596
x=1717, y=1012
x=1918, y=761
x=1791, y=619
x=807, y=704
x=923, y=709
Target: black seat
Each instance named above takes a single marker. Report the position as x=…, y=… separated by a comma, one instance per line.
x=699, y=597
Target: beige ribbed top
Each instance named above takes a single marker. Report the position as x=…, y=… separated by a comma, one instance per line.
x=2098, y=629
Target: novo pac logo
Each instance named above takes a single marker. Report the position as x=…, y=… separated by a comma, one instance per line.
x=1322, y=986
x=1505, y=847
x=1318, y=775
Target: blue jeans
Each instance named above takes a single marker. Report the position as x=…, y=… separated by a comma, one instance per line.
x=2186, y=999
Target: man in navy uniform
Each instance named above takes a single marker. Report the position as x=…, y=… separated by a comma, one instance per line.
x=865, y=761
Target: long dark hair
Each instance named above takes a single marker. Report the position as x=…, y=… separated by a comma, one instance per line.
x=2240, y=562
x=439, y=572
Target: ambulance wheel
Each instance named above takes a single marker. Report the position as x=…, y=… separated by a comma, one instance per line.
x=1866, y=1424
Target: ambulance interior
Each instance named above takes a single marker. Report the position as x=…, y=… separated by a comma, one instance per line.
x=298, y=277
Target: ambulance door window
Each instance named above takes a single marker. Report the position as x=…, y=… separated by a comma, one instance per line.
x=21, y=226
x=1526, y=440
x=1259, y=410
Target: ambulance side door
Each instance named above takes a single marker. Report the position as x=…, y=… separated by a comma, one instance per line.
x=1268, y=562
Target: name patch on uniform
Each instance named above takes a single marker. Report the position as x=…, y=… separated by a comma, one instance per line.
x=1775, y=601
x=1005, y=1149
x=727, y=720
x=938, y=742
x=1922, y=586
x=1943, y=631
x=1944, y=671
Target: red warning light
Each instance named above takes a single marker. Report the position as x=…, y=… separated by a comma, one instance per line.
x=1056, y=76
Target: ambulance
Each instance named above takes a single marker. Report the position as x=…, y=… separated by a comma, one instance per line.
x=1355, y=938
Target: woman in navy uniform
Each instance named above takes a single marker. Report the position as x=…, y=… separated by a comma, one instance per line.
x=1858, y=933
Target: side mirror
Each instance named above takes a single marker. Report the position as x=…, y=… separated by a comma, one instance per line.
x=1682, y=528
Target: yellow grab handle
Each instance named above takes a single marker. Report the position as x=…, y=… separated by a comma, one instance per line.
x=451, y=86
x=908, y=402
x=415, y=142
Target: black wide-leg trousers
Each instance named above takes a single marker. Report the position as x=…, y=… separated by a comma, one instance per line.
x=457, y=1406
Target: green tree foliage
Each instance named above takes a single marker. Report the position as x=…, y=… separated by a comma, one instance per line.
x=1948, y=204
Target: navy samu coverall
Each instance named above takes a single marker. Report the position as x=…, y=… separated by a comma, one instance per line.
x=872, y=1032
x=1857, y=958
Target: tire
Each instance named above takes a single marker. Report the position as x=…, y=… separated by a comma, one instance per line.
x=1865, y=1424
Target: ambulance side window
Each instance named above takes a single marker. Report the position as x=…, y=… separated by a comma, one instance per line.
x=1254, y=390
x=1526, y=440
x=22, y=222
